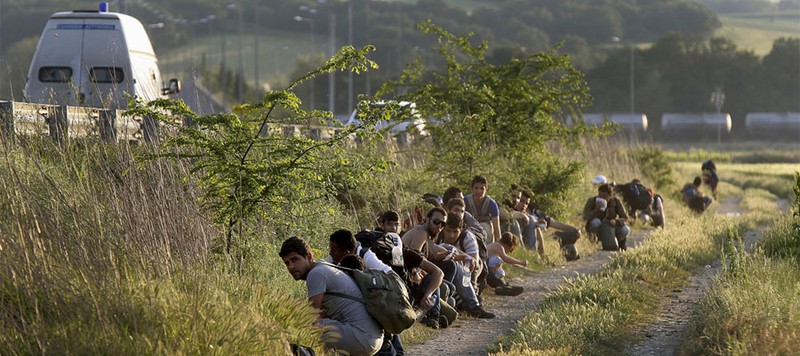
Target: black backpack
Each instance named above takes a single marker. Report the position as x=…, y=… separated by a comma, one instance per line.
x=637, y=196
x=708, y=166
x=387, y=246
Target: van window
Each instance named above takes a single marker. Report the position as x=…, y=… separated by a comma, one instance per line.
x=106, y=75
x=55, y=74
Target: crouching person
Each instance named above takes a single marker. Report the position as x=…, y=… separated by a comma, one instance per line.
x=348, y=325
x=498, y=255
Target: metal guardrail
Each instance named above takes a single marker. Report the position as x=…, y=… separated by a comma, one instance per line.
x=64, y=123
x=70, y=122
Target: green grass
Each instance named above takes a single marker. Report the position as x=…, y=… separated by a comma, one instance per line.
x=753, y=308
x=757, y=32
x=597, y=311
x=102, y=254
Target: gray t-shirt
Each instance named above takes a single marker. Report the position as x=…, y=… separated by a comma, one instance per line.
x=323, y=278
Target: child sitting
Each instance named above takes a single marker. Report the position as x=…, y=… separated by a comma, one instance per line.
x=497, y=255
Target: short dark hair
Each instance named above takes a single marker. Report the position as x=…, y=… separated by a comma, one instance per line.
x=605, y=188
x=455, y=202
x=478, y=179
x=294, y=244
x=436, y=209
x=527, y=193
x=389, y=215
x=344, y=239
x=454, y=221
x=450, y=193
x=697, y=181
x=353, y=262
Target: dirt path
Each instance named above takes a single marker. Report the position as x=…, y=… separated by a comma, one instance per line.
x=664, y=337
x=474, y=336
x=666, y=334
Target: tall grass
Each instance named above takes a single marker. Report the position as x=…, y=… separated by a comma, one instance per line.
x=753, y=308
x=594, y=313
x=101, y=254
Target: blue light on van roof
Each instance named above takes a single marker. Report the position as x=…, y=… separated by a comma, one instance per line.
x=103, y=6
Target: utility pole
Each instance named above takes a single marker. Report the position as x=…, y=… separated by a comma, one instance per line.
x=257, y=29
x=633, y=91
x=240, y=89
x=332, y=74
x=350, y=41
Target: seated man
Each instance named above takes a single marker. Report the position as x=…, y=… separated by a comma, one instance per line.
x=594, y=211
x=425, y=289
x=693, y=197
x=454, y=236
x=484, y=208
x=616, y=216
x=511, y=219
x=540, y=222
x=457, y=206
x=470, y=222
x=606, y=209
x=348, y=325
x=638, y=199
x=343, y=243
x=420, y=238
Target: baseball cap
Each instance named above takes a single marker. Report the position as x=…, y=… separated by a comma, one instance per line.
x=601, y=179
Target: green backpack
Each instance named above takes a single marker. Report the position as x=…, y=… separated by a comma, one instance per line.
x=385, y=297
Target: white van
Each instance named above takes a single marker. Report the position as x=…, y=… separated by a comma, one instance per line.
x=91, y=58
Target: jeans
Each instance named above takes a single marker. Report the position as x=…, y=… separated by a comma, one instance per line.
x=529, y=234
x=417, y=292
x=462, y=280
x=391, y=346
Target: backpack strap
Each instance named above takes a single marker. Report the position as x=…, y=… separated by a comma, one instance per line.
x=482, y=211
x=460, y=240
x=349, y=272
x=363, y=252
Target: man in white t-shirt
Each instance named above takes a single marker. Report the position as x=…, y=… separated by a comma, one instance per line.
x=348, y=325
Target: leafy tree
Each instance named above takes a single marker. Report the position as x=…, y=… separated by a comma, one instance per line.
x=781, y=79
x=248, y=171
x=494, y=118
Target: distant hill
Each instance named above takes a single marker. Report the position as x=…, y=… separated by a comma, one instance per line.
x=757, y=31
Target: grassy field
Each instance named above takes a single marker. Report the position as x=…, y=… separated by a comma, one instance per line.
x=597, y=311
x=278, y=52
x=753, y=308
x=758, y=31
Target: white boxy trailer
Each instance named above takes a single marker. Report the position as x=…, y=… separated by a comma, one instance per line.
x=93, y=59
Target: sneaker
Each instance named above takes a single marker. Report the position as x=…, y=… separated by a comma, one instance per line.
x=443, y=322
x=431, y=322
x=478, y=312
x=508, y=290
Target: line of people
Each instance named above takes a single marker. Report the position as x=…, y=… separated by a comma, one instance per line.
x=448, y=260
